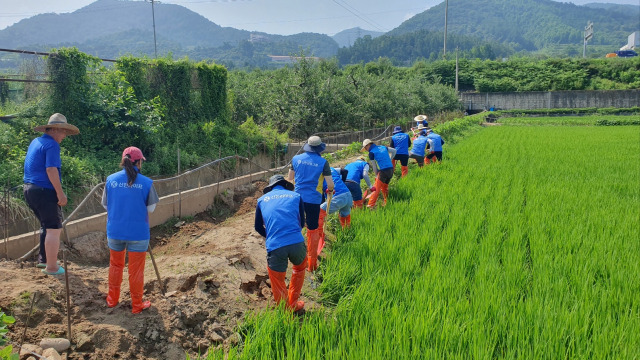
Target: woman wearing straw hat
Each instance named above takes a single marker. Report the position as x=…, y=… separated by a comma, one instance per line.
x=308, y=170
x=382, y=167
x=401, y=142
x=43, y=188
x=128, y=197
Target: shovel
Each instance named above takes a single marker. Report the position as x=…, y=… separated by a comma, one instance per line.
x=324, y=226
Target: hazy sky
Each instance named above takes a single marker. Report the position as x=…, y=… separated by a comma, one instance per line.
x=271, y=16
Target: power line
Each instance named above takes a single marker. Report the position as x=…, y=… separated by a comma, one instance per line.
x=359, y=17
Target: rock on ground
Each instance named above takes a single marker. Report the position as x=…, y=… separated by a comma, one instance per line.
x=59, y=344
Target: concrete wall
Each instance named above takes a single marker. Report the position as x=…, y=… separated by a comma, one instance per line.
x=551, y=99
x=193, y=202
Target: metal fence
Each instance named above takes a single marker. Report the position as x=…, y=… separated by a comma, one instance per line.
x=18, y=219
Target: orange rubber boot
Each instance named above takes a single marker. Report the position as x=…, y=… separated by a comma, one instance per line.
x=323, y=215
x=116, y=266
x=295, y=287
x=345, y=221
x=374, y=197
x=385, y=193
x=427, y=161
x=136, y=281
x=405, y=171
x=358, y=204
x=313, y=236
x=278, y=287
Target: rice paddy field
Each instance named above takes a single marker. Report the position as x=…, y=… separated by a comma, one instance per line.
x=523, y=244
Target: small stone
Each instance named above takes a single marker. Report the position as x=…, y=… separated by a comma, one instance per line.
x=27, y=349
x=51, y=354
x=171, y=293
x=215, y=338
x=59, y=344
x=179, y=224
x=84, y=342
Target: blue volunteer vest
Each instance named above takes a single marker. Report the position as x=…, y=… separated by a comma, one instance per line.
x=127, y=216
x=437, y=141
x=401, y=143
x=338, y=184
x=308, y=169
x=281, y=216
x=381, y=156
x=356, y=170
x=419, y=145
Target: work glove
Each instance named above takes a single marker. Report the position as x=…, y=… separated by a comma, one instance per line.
x=373, y=189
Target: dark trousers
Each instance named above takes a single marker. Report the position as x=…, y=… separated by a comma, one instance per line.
x=44, y=204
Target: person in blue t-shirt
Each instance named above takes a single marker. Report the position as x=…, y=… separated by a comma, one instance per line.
x=128, y=197
x=419, y=146
x=380, y=161
x=43, y=188
x=280, y=219
x=401, y=142
x=356, y=171
x=308, y=170
x=435, y=146
x=341, y=201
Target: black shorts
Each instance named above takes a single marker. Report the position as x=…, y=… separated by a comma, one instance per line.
x=385, y=175
x=354, y=188
x=403, y=158
x=311, y=215
x=418, y=158
x=44, y=204
x=437, y=154
x=278, y=259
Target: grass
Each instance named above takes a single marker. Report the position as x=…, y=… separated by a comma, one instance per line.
x=521, y=244
x=597, y=120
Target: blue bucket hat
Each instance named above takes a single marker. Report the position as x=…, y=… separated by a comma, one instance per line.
x=397, y=129
x=314, y=144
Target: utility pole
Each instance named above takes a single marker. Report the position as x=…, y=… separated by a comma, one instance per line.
x=153, y=15
x=588, y=34
x=456, y=69
x=446, y=13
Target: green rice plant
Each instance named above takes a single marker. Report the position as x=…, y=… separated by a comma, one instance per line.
x=598, y=120
x=522, y=244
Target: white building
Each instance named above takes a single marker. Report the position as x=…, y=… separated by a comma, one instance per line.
x=633, y=42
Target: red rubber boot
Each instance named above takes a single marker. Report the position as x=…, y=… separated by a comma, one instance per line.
x=295, y=287
x=136, y=281
x=313, y=236
x=357, y=204
x=405, y=170
x=385, y=193
x=345, y=221
x=116, y=266
x=374, y=197
x=278, y=286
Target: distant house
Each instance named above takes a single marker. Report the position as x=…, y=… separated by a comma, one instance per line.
x=257, y=38
x=633, y=42
x=285, y=59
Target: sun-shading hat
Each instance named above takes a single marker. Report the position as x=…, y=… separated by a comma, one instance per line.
x=58, y=121
x=134, y=153
x=422, y=127
x=365, y=143
x=420, y=118
x=397, y=129
x=278, y=180
x=314, y=144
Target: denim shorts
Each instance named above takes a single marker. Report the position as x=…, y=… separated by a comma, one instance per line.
x=129, y=245
x=278, y=259
x=342, y=203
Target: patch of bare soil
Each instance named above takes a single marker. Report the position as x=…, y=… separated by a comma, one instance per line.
x=214, y=271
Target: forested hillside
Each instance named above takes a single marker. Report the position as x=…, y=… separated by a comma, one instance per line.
x=526, y=24
x=405, y=49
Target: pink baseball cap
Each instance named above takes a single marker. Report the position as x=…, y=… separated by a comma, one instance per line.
x=134, y=153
